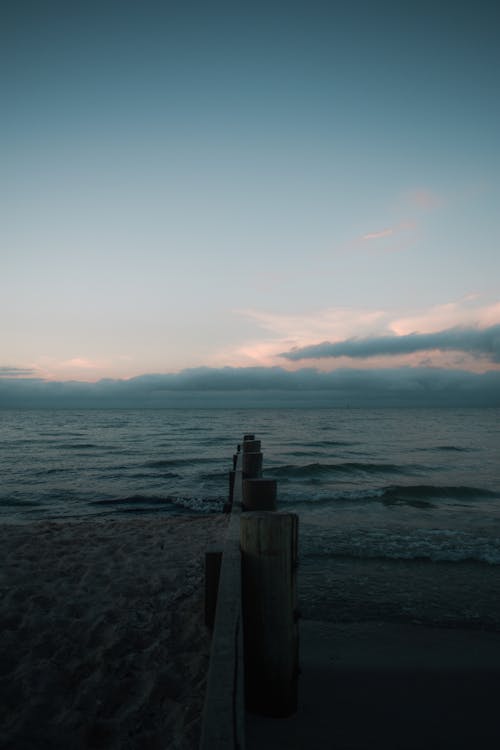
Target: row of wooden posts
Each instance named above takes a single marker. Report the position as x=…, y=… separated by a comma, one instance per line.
x=258, y=568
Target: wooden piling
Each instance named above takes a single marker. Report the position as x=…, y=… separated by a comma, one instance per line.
x=223, y=714
x=213, y=557
x=232, y=474
x=251, y=446
x=269, y=590
x=259, y=494
x=251, y=465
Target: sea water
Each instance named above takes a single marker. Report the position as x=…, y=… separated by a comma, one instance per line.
x=387, y=483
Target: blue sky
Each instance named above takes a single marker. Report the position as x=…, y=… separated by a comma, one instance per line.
x=195, y=185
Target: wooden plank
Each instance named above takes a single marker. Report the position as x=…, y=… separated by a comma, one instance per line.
x=223, y=726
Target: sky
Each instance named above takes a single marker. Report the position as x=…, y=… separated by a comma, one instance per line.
x=301, y=191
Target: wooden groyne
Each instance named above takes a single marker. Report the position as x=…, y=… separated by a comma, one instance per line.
x=254, y=654
x=223, y=726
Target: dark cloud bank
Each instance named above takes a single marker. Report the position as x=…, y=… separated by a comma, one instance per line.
x=483, y=342
x=261, y=387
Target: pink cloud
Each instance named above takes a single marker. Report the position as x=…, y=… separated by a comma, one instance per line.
x=378, y=235
x=81, y=363
x=283, y=332
x=425, y=199
x=469, y=311
x=407, y=225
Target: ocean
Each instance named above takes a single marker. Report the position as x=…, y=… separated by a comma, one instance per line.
x=406, y=484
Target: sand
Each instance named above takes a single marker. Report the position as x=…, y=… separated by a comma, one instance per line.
x=103, y=645
x=102, y=638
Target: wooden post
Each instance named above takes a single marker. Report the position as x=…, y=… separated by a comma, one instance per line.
x=259, y=494
x=223, y=723
x=251, y=465
x=213, y=557
x=269, y=561
x=251, y=446
x=232, y=474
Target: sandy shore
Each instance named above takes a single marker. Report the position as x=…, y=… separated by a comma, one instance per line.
x=102, y=640
x=103, y=645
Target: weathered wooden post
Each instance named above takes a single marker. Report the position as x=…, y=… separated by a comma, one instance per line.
x=223, y=713
x=259, y=494
x=269, y=589
x=213, y=558
x=251, y=458
x=228, y=506
x=232, y=474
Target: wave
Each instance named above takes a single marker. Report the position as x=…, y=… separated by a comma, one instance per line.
x=161, y=462
x=331, y=443
x=318, y=470
x=53, y=470
x=149, y=503
x=215, y=475
x=451, y=448
x=156, y=475
x=76, y=446
x=15, y=502
x=436, y=545
x=418, y=496
x=402, y=494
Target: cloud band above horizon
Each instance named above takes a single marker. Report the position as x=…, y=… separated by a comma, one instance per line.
x=261, y=387
x=483, y=342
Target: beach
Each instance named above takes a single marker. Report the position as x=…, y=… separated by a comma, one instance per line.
x=103, y=642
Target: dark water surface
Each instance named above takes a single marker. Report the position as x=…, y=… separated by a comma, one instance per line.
x=388, y=483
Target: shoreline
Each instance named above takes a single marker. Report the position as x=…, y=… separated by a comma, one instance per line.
x=461, y=594
x=103, y=643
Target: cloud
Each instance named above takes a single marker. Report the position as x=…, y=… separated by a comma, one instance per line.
x=284, y=332
x=392, y=231
x=425, y=199
x=260, y=387
x=378, y=235
x=15, y=372
x=304, y=327
x=81, y=363
x=469, y=312
x=483, y=342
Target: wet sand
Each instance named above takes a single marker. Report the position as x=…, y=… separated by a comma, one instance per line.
x=396, y=655
x=389, y=686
